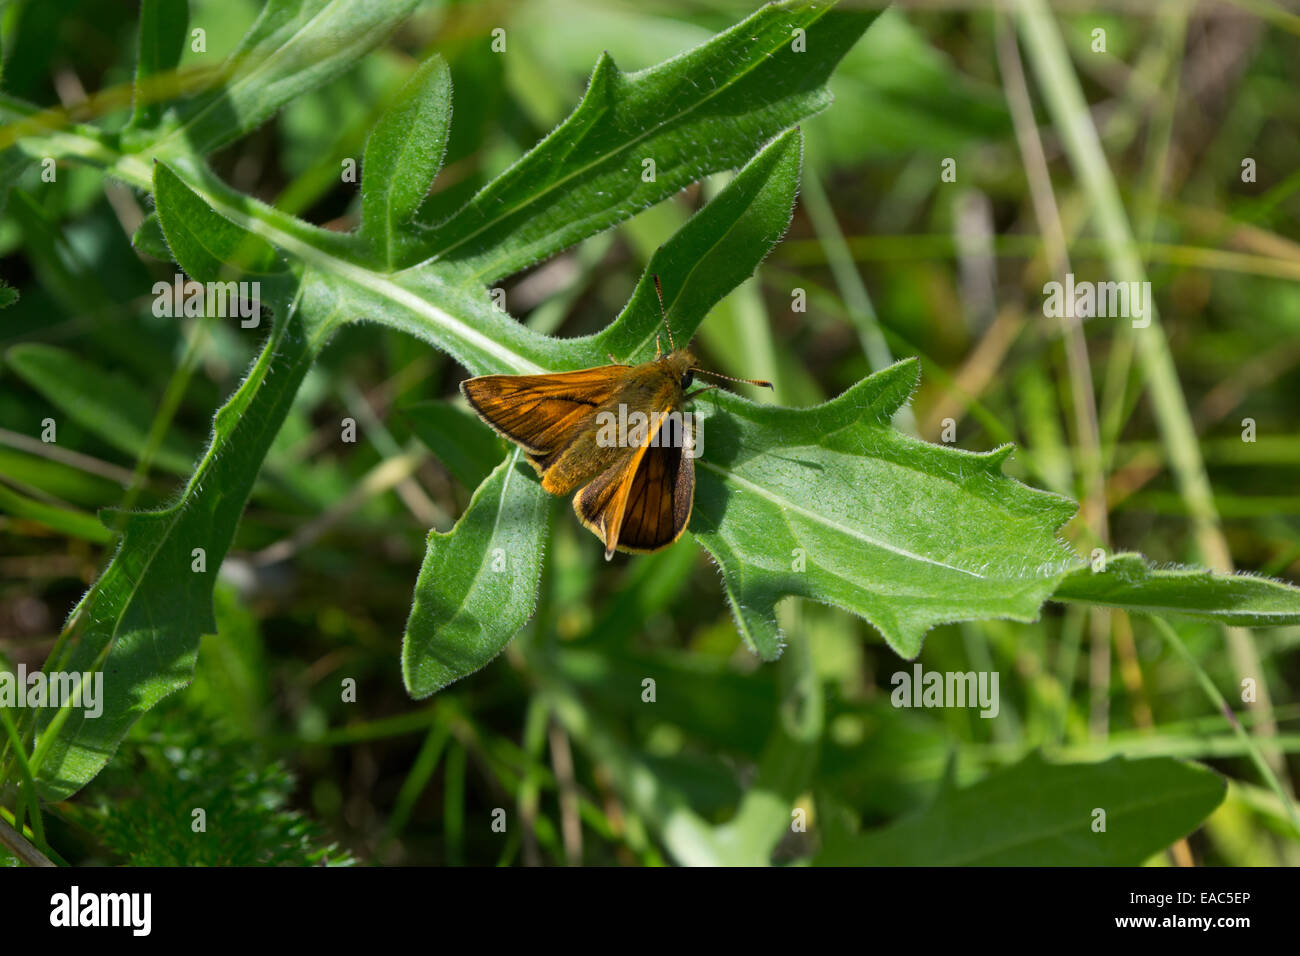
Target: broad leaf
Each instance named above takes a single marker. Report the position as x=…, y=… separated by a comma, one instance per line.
x=832, y=503
x=478, y=584
x=1041, y=814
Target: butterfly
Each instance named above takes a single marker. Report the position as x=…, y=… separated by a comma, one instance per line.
x=616, y=435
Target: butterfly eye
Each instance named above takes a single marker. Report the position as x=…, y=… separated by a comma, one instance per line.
x=687, y=379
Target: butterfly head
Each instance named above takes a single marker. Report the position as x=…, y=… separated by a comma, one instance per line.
x=679, y=365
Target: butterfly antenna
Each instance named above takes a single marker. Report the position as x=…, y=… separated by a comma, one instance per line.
x=659, y=291
x=748, y=381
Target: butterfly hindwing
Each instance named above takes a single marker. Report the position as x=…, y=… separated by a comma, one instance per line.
x=645, y=504
x=659, y=501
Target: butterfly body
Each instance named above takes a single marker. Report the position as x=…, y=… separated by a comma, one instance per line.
x=634, y=493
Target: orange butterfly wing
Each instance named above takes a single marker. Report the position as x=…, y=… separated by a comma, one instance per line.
x=542, y=413
x=645, y=504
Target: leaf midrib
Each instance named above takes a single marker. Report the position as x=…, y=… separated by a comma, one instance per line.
x=789, y=506
x=366, y=278
x=496, y=524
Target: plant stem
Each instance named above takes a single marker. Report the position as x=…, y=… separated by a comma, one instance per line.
x=17, y=844
x=1212, y=692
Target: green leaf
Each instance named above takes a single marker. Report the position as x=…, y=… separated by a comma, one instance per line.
x=715, y=251
x=109, y=405
x=827, y=502
x=1130, y=582
x=140, y=623
x=163, y=25
x=142, y=619
x=295, y=46
x=1041, y=814
x=698, y=113
x=202, y=242
x=75, y=524
x=150, y=240
x=703, y=261
x=478, y=583
x=404, y=154
x=8, y=294
x=832, y=503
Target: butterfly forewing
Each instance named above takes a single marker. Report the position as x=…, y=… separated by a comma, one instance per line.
x=635, y=492
x=543, y=413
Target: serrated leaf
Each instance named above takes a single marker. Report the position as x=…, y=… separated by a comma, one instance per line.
x=832, y=503
x=1130, y=582
x=478, y=583
x=404, y=153
x=698, y=113
x=141, y=621
x=1041, y=814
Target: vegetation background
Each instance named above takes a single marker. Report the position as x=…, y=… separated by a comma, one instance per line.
x=895, y=262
